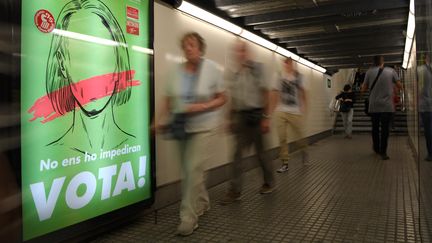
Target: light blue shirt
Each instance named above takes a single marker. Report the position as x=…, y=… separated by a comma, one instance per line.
x=188, y=87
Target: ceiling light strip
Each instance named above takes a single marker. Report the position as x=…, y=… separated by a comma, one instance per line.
x=209, y=17
x=230, y=27
x=409, y=35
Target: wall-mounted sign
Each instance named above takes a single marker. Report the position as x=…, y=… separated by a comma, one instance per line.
x=85, y=110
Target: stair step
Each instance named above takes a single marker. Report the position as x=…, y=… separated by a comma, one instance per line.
x=362, y=122
x=368, y=129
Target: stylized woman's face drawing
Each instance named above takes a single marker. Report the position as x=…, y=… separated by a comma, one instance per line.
x=89, y=59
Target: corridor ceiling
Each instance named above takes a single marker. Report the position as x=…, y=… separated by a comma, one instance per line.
x=332, y=33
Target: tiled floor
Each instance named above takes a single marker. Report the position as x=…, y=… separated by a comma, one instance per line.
x=346, y=195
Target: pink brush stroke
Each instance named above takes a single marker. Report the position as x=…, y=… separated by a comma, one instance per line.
x=42, y=107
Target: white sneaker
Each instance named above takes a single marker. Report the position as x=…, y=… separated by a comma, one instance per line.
x=282, y=169
x=186, y=228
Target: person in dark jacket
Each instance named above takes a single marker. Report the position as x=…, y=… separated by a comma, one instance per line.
x=347, y=98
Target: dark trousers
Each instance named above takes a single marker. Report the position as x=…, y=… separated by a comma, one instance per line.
x=247, y=135
x=380, y=131
x=427, y=124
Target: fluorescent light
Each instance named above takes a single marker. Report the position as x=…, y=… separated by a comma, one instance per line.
x=405, y=64
x=405, y=60
x=143, y=50
x=412, y=7
x=320, y=69
x=295, y=57
x=209, y=17
x=284, y=52
x=258, y=40
x=408, y=44
x=309, y=64
x=306, y=63
x=409, y=36
x=406, y=56
x=228, y=26
x=411, y=26
x=87, y=38
x=303, y=61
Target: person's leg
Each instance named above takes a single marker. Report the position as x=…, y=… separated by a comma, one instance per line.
x=265, y=163
x=392, y=123
x=375, y=131
x=188, y=218
x=385, y=130
x=345, y=121
x=241, y=140
x=350, y=122
x=241, y=137
x=281, y=124
x=298, y=127
x=427, y=125
x=195, y=197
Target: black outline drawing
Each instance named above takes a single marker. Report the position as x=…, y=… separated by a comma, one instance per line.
x=57, y=75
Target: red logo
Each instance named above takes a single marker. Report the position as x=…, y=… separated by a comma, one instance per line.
x=44, y=21
x=132, y=27
x=132, y=12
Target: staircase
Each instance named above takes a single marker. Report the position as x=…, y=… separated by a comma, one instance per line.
x=362, y=123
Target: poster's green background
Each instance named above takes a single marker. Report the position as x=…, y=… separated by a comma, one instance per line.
x=133, y=117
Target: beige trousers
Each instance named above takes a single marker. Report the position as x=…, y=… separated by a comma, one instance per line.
x=194, y=152
x=296, y=124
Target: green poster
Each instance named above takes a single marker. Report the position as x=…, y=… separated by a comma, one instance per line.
x=85, y=78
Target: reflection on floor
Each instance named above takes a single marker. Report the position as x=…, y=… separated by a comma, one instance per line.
x=346, y=194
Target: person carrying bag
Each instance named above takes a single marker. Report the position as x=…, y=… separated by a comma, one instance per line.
x=193, y=96
x=380, y=107
x=366, y=102
x=176, y=129
x=346, y=99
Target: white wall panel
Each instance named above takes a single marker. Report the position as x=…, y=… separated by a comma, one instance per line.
x=170, y=25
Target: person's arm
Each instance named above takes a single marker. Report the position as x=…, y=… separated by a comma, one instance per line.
x=273, y=94
x=163, y=112
x=364, y=87
x=399, y=85
x=265, y=121
x=219, y=97
x=303, y=95
x=218, y=100
x=160, y=119
x=397, y=81
x=267, y=102
x=304, y=102
x=274, y=100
